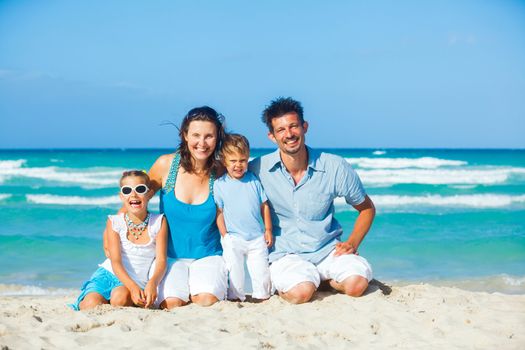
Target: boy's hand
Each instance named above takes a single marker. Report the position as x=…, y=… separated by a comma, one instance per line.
x=268, y=237
x=137, y=296
x=151, y=294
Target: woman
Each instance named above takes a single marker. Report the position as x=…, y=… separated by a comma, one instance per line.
x=196, y=270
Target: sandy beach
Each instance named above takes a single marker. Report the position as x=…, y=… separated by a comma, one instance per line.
x=408, y=317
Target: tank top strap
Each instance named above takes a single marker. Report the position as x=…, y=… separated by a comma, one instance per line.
x=172, y=175
x=211, y=182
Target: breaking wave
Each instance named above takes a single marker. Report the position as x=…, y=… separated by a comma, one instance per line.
x=400, y=163
x=466, y=201
x=51, y=199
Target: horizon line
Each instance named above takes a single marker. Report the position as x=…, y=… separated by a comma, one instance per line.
x=266, y=148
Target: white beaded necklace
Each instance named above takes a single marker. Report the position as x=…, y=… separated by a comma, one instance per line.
x=136, y=229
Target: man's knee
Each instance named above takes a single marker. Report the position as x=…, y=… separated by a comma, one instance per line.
x=354, y=286
x=299, y=294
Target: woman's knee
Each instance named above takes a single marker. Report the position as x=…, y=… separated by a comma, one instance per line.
x=171, y=303
x=204, y=299
x=91, y=301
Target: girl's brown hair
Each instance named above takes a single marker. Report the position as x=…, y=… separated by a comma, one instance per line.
x=137, y=173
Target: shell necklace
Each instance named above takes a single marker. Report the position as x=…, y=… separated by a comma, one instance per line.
x=136, y=229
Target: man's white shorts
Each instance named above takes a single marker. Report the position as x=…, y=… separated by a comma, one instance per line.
x=291, y=270
x=185, y=277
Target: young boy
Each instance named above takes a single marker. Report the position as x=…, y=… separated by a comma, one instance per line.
x=241, y=207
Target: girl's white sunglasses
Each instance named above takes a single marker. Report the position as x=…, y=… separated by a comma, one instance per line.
x=140, y=189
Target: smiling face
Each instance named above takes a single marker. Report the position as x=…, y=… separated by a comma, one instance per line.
x=201, y=139
x=135, y=203
x=236, y=164
x=288, y=133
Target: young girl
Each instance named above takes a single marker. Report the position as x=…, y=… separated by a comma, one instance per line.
x=135, y=239
x=242, y=206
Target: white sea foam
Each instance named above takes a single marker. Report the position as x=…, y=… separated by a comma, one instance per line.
x=71, y=200
x=10, y=164
x=19, y=290
x=378, y=153
x=91, y=177
x=469, y=201
x=513, y=281
x=502, y=283
x=400, y=163
x=51, y=199
x=478, y=176
x=4, y=196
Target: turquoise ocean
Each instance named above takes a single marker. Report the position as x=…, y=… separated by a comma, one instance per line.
x=448, y=217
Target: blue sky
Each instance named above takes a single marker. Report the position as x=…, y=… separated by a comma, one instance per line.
x=369, y=73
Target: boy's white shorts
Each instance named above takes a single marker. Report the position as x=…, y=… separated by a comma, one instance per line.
x=236, y=251
x=291, y=270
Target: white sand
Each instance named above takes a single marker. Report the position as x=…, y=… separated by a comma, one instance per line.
x=410, y=317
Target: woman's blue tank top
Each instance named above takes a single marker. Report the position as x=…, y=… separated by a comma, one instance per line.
x=193, y=232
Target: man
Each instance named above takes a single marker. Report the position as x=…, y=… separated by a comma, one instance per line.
x=301, y=184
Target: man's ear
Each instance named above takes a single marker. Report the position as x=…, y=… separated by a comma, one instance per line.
x=305, y=127
x=271, y=137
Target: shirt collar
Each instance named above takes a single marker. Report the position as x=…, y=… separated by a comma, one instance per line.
x=314, y=160
x=274, y=160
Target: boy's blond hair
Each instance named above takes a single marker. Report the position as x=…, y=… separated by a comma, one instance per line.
x=234, y=143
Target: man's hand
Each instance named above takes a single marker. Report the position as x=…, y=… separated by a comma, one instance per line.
x=343, y=248
x=268, y=237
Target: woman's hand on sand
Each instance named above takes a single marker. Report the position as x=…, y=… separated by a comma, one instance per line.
x=151, y=294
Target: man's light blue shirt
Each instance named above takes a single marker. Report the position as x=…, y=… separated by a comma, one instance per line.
x=240, y=201
x=303, y=214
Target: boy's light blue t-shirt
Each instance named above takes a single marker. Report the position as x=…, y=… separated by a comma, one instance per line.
x=240, y=201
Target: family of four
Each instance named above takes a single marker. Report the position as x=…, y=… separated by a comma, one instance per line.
x=219, y=211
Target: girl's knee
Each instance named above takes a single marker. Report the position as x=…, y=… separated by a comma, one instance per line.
x=121, y=297
x=91, y=301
